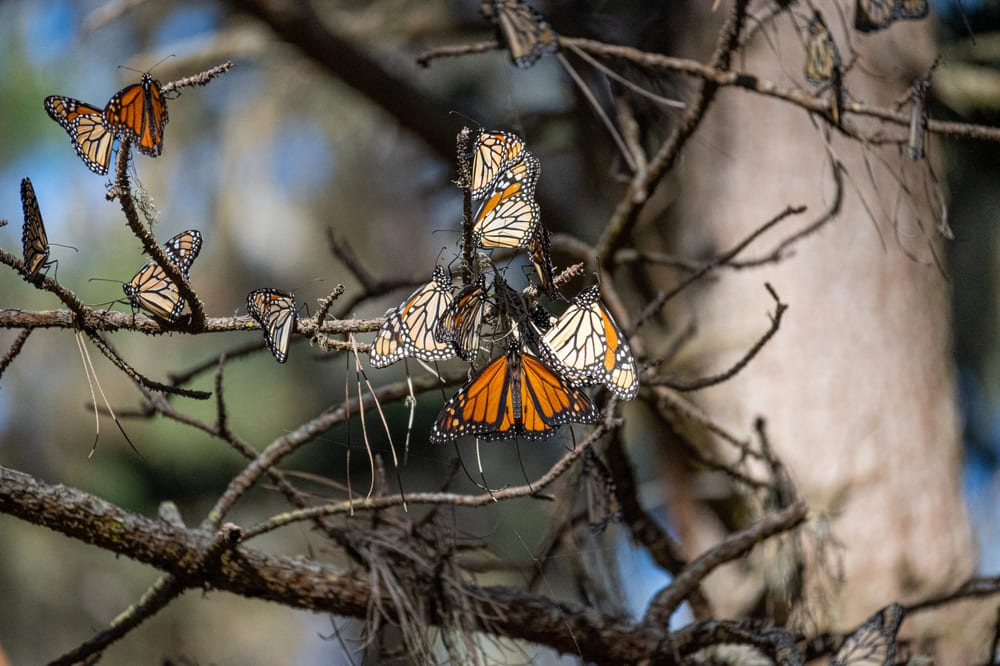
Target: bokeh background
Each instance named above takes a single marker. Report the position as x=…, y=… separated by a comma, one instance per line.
x=264, y=161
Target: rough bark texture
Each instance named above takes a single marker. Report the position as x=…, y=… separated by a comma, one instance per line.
x=858, y=388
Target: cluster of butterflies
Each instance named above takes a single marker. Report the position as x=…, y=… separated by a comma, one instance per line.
x=823, y=64
x=140, y=112
x=535, y=385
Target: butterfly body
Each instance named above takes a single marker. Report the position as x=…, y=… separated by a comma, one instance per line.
x=275, y=311
x=516, y=395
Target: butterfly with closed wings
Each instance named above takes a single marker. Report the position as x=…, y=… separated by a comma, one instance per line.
x=409, y=329
x=275, y=312
x=493, y=153
x=463, y=319
x=823, y=65
x=34, y=240
x=523, y=29
x=586, y=346
x=510, y=216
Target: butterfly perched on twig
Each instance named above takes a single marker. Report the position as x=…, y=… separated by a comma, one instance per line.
x=874, y=15
x=409, y=329
x=510, y=216
x=274, y=310
x=152, y=289
x=586, y=347
x=34, y=240
x=823, y=65
x=523, y=29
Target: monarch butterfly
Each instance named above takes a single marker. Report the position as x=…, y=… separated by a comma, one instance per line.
x=34, y=241
x=275, y=311
x=823, y=64
x=874, y=15
x=586, y=346
x=516, y=395
x=509, y=217
x=91, y=137
x=492, y=154
x=523, y=29
x=140, y=111
x=409, y=329
x=602, y=499
x=539, y=250
x=874, y=642
x=152, y=290
x=462, y=320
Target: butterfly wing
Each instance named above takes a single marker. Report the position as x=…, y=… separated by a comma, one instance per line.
x=586, y=346
x=548, y=400
x=481, y=407
x=492, y=154
x=409, y=329
x=540, y=253
x=91, y=138
x=34, y=240
x=510, y=216
x=152, y=290
x=911, y=9
x=463, y=320
x=822, y=57
x=527, y=35
x=139, y=111
x=183, y=249
x=275, y=311
x=603, y=506
x=874, y=642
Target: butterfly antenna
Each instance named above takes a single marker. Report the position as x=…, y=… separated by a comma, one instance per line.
x=612, y=130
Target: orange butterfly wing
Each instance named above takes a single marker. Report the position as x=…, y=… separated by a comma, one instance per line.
x=140, y=111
